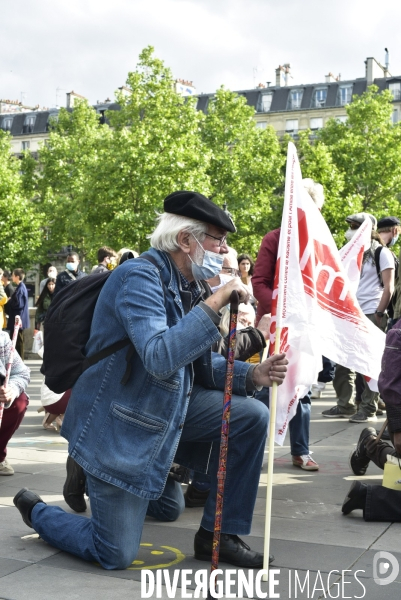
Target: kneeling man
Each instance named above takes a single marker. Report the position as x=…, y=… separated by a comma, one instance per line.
x=126, y=434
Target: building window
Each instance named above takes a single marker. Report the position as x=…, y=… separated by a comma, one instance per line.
x=342, y=119
x=25, y=145
x=394, y=117
x=294, y=99
x=395, y=89
x=344, y=95
x=319, y=98
x=7, y=123
x=316, y=123
x=261, y=124
x=265, y=102
x=291, y=125
x=51, y=121
x=29, y=124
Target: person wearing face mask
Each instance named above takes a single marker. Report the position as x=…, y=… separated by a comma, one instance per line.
x=72, y=272
x=389, y=229
x=107, y=260
x=125, y=432
x=374, y=294
x=51, y=272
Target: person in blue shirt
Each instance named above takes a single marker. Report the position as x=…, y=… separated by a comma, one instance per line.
x=18, y=305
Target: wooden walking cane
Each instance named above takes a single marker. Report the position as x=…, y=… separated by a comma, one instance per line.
x=225, y=429
x=17, y=325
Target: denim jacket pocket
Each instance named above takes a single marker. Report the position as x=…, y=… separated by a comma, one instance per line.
x=128, y=442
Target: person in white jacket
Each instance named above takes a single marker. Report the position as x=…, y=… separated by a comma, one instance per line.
x=13, y=396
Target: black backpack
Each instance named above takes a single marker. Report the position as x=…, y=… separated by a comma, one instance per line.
x=67, y=330
x=390, y=308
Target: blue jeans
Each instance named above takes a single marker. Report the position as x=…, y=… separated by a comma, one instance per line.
x=112, y=535
x=299, y=424
x=299, y=427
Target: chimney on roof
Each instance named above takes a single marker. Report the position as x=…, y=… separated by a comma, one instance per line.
x=374, y=70
x=72, y=97
x=283, y=73
x=330, y=77
x=287, y=73
x=386, y=62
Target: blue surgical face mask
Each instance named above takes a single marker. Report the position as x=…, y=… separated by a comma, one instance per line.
x=393, y=241
x=211, y=264
x=71, y=266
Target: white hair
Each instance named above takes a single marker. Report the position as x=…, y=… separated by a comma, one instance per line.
x=123, y=251
x=169, y=226
x=315, y=191
x=230, y=259
x=245, y=309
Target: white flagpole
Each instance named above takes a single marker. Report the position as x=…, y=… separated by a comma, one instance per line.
x=285, y=234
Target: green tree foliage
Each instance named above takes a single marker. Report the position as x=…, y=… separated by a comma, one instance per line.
x=317, y=163
x=245, y=166
x=103, y=183
x=366, y=150
x=20, y=233
x=154, y=149
x=69, y=164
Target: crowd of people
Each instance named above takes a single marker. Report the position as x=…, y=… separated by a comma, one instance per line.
x=133, y=441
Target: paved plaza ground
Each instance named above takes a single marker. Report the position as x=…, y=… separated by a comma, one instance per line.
x=309, y=532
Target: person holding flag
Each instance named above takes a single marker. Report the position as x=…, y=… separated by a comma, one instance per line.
x=126, y=433
x=374, y=293
x=263, y=287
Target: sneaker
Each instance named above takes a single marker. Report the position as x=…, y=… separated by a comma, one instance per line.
x=305, y=462
x=317, y=389
x=6, y=468
x=358, y=461
x=360, y=417
x=335, y=412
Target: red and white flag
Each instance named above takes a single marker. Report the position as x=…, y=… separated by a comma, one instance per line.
x=352, y=253
x=314, y=301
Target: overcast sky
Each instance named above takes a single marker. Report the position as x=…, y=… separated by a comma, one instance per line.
x=89, y=46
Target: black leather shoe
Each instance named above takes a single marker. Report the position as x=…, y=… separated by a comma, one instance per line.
x=195, y=498
x=74, y=486
x=358, y=461
x=233, y=551
x=25, y=500
x=356, y=497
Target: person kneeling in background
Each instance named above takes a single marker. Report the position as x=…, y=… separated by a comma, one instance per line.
x=14, y=398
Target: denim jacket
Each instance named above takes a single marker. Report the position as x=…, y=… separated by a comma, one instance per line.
x=128, y=434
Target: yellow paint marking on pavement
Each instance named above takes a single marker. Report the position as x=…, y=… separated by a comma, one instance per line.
x=172, y=556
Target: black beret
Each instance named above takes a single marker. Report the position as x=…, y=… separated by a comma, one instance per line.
x=197, y=206
x=388, y=222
